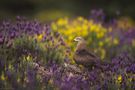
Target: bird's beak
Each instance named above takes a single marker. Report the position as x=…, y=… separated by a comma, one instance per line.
x=75, y=40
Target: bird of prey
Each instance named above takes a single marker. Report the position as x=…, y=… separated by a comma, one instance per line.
x=82, y=54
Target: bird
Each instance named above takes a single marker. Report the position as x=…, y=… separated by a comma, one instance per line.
x=83, y=55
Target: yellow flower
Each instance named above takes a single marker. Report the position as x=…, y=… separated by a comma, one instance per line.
x=101, y=44
x=3, y=77
x=115, y=41
x=103, y=53
x=62, y=21
x=78, y=28
x=130, y=79
x=10, y=66
x=84, y=27
x=85, y=21
x=80, y=18
x=84, y=33
x=119, y=79
x=72, y=62
x=108, y=39
x=40, y=37
x=54, y=26
x=70, y=38
x=100, y=35
x=92, y=28
x=28, y=57
x=68, y=32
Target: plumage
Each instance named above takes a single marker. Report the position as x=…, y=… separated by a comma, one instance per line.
x=83, y=55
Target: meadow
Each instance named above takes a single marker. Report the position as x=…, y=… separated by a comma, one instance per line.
x=39, y=56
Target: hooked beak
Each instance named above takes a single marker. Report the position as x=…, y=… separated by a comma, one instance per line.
x=75, y=40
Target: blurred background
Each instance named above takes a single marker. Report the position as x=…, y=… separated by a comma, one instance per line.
x=48, y=10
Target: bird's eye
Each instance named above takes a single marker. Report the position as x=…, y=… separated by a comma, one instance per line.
x=78, y=38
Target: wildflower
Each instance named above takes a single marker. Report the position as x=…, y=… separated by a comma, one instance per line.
x=1, y=40
x=10, y=66
x=54, y=26
x=62, y=21
x=103, y=53
x=119, y=79
x=29, y=57
x=80, y=18
x=101, y=43
x=100, y=35
x=115, y=41
x=40, y=37
x=3, y=76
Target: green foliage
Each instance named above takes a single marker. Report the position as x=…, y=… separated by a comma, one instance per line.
x=29, y=48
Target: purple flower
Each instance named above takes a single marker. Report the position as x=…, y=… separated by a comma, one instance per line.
x=131, y=69
x=1, y=40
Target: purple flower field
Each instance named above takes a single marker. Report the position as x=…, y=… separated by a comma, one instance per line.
x=33, y=56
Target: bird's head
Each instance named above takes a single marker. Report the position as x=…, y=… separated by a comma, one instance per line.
x=78, y=39
x=81, y=43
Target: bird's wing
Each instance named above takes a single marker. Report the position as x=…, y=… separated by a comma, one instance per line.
x=85, y=57
x=86, y=53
